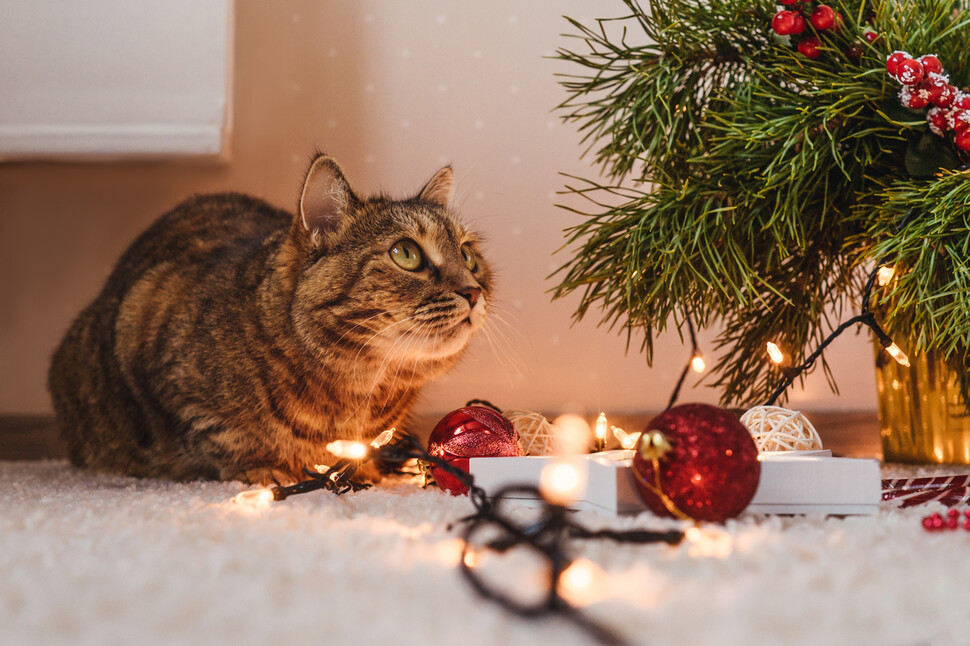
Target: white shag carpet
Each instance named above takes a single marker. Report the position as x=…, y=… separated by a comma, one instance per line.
x=90, y=559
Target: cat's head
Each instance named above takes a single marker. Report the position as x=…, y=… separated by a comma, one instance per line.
x=394, y=279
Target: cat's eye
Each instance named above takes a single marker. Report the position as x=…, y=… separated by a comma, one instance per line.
x=469, y=257
x=406, y=254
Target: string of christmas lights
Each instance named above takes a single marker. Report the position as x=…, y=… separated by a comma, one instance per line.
x=548, y=536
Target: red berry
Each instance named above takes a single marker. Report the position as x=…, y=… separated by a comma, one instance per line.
x=931, y=64
x=952, y=513
x=798, y=24
x=913, y=97
x=853, y=52
x=966, y=524
x=941, y=93
x=960, y=118
x=789, y=2
x=893, y=61
x=809, y=47
x=951, y=523
x=910, y=72
x=967, y=513
x=928, y=522
x=962, y=140
x=783, y=22
x=962, y=100
x=937, y=118
x=870, y=36
x=823, y=17
x=937, y=521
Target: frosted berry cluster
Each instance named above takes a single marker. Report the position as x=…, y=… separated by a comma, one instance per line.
x=793, y=22
x=923, y=85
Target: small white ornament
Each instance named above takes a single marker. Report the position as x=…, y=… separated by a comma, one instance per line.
x=780, y=429
x=536, y=433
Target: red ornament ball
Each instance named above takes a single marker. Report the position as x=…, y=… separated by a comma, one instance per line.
x=470, y=432
x=893, y=61
x=711, y=470
x=809, y=47
x=823, y=17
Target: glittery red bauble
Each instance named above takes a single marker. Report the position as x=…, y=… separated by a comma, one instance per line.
x=470, y=432
x=712, y=470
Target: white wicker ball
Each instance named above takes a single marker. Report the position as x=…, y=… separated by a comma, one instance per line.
x=536, y=433
x=780, y=429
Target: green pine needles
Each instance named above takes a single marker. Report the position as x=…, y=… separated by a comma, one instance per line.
x=752, y=187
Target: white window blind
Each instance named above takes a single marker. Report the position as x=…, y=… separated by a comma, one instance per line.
x=114, y=77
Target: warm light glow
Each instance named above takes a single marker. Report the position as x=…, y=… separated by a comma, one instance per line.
x=774, y=352
x=627, y=440
x=563, y=481
x=383, y=438
x=697, y=363
x=471, y=558
x=572, y=435
x=256, y=498
x=897, y=354
x=601, y=426
x=709, y=542
x=578, y=582
x=885, y=274
x=347, y=449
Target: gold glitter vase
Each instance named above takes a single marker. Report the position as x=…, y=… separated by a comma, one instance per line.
x=921, y=411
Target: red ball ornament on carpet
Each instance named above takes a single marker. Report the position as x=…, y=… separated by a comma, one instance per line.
x=709, y=471
x=470, y=432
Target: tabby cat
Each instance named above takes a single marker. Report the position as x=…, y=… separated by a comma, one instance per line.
x=234, y=340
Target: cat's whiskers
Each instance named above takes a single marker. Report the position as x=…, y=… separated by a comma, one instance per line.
x=370, y=318
x=388, y=355
x=499, y=343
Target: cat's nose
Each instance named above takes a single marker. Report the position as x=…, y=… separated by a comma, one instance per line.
x=470, y=294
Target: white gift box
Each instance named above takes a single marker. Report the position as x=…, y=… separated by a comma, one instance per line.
x=797, y=482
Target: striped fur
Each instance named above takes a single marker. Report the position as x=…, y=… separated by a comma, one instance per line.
x=234, y=340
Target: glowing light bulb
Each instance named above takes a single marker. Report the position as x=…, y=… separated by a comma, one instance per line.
x=348, y=449
x=774, y=352
x=627, y=440
x=601, y=426
x=885, y=274
x=471, y=558
x=571, y=435
x=897, y=354
x=578, y=582
x=562, y=482
x=383, y=438
x=697, y=363
x=258, y=498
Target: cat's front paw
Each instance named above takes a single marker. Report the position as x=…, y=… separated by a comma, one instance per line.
x=267, y=476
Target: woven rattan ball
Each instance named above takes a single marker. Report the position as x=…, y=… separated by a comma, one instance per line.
x=535, y=431
x=780, y=429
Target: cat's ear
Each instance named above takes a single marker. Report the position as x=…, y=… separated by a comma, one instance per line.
x=326, y=198
x=440, y=189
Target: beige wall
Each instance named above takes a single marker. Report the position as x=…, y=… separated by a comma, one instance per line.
x=393, y=90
